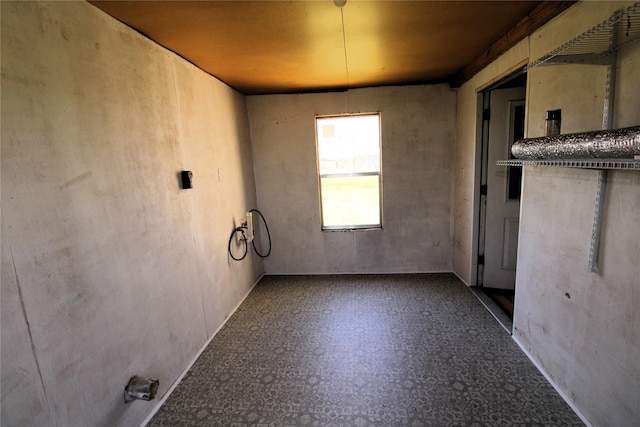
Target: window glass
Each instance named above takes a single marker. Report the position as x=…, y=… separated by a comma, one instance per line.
x=349, y=169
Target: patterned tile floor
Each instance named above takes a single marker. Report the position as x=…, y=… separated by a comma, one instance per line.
x=364, y=350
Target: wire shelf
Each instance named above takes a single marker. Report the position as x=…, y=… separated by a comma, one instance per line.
x=594, y=45
x=633, y=164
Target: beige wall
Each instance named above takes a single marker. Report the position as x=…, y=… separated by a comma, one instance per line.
x=582, y=327
x=109, y=269
x=417, y=136
x=579, y=327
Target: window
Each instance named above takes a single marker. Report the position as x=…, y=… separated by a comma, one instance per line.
x=349, y=170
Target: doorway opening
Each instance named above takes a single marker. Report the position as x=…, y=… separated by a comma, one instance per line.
x=502, y=109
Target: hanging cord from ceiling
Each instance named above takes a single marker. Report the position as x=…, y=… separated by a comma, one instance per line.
x=340, y=4
x=344, y=47
x=241, y=229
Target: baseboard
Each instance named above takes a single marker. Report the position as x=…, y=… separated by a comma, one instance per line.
x=352, y=273
x=493, y=309
x=562, y=394
x=461, y=279
x=206, y=344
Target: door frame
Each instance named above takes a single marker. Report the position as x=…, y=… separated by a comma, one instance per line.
x=480, y=167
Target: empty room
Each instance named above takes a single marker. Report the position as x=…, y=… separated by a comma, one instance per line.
x=323, y=213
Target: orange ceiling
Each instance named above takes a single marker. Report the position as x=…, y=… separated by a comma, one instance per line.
x=299, y=46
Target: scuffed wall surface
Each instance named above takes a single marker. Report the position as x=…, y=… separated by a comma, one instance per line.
x=20, y=371
x=581, y=327
x=109, y=269
x=626, y=100
x=417, y=134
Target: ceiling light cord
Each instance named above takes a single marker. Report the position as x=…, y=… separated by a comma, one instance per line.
x=346, y=60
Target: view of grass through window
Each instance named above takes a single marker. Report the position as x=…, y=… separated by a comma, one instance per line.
x=349, y=167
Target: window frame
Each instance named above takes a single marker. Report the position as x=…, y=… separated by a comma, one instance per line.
x=355, y=174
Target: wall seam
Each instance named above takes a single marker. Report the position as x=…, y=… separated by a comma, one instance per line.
x=191, y=222
x=31, y=341
x=452, y=185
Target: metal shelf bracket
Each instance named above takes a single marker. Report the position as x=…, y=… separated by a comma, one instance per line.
x=597, y=221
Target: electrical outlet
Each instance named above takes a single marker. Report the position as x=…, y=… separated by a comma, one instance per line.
x=246, y=223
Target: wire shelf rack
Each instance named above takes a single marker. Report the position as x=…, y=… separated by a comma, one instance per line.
x=633, y=164
x=596, y=44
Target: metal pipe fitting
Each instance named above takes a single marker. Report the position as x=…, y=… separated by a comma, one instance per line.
x=141, y=388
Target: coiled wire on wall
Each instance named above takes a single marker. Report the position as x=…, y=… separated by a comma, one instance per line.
x=241, y=230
